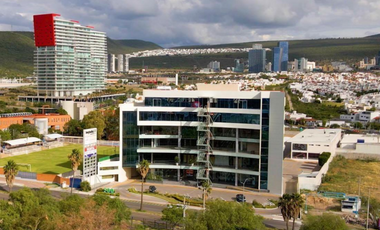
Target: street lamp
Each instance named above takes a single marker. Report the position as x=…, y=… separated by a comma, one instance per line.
x=249, y=178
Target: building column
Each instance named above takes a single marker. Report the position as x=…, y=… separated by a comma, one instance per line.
x=236, y=158
x=151, y=158
x=236, y=179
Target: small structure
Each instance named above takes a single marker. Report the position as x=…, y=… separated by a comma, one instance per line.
x=310, y=143
x=351, y=204
x=21, y=142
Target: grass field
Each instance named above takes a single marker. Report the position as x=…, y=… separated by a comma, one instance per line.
x=53, y=161
x=344, y=174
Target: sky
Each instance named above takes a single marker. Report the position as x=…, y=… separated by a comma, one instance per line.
x=172, y=23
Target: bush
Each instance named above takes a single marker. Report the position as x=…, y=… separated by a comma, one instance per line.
x=323, y=158
x=132, y=190
x=256, y=204
x=85, y=186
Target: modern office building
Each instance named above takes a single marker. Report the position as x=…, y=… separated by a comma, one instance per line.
x=239, y=66
x=214, y=66
x=257, y=58
x=69, y=59
x=281, y=57
x=215, y=133
x=111, y=63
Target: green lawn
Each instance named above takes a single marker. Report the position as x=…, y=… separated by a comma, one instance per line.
x=53, y=161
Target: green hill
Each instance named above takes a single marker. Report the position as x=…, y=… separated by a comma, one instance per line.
x=322, y=51
x=16, y=51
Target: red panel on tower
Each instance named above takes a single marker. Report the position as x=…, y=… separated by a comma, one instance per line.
x=44, y=34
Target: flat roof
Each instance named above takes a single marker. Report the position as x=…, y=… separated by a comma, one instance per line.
x=22, y=141
x=53, y=136
x=316, y=136
x=353, y=138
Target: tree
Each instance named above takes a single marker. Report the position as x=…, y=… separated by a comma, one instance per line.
x=206, y=188
x=122, y=212
x=73, y=128
x=111, y=118
x=358, y=125
x=24, y=130
x=61, y=111
x=75, y=158
x=224, y=215
x=284, y=204
x=323, y=158
x=334, y=126
x=95, y=119
x=326, y=221
x=143, y=169
x=10, y=172
x=297, y=203
x=5, y=135
x=173, y=215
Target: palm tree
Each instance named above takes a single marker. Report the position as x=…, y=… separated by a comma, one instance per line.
x=206, y=187
x=285, y=204
x=143, y=169
x=10, y=172
x=75, y=158
x=296, y=205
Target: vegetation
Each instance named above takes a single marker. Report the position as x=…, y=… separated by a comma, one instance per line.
x=206, y=188
x=290, y=205
x=75, y=159
x=344, y=175
x=323, y=158
x=37, y=209
x=53, y=161
x=326, y=221
x=23, y=131
x=224, y=215
x=173, y=215
x=107, y=124
x=10, y=172
x=143, y=169
x=320, y=111
x=85, y=186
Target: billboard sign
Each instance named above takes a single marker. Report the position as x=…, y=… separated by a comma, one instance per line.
x=89, y=152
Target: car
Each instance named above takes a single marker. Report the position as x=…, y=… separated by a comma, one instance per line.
x=240, y=198
x=152, y=189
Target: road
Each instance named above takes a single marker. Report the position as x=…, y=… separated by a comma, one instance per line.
x=153, y=211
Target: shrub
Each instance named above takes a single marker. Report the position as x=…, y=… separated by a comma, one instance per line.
x=132, y=190
x=85, y=186
x=256, y=204
x=323, y=158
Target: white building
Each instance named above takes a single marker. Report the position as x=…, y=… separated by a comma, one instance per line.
x=216, y=133
x=310, y=143
x=361, y=116
x=126, y=63
x=69, y=59
x=120, y=63
x=111, y=63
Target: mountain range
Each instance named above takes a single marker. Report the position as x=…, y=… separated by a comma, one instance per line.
x=16, y=52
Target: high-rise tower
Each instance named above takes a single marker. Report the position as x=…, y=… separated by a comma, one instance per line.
x=69, y=59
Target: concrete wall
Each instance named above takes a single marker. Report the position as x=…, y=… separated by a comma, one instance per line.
x=312, y=181
x=276, y=142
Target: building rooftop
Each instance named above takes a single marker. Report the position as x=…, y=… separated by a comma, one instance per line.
x=353, y=138
x=316, y=136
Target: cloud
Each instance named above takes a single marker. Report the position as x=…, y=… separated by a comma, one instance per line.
x=184, y=22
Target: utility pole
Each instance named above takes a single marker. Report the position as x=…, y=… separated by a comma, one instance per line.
x=184, y=206
x=369, y=197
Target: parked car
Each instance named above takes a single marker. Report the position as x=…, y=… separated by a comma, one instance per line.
x=152, y=189
x=240, y=198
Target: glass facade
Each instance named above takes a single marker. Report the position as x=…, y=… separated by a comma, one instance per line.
x=285, y=55
x=257, y=60
x=130, y=138
x=191, y=116
x=276, y=59
x=200, y=102
x=264, y=144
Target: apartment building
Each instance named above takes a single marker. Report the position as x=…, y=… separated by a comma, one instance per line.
x=215, y=133
x=69, y=59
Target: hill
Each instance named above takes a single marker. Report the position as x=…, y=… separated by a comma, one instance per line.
x=16, y=51
x=322, y=51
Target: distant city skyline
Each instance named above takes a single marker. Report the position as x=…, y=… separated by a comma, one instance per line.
x=174, y=23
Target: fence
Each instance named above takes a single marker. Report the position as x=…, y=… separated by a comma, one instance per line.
x=79, y=140
x=155, y=224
